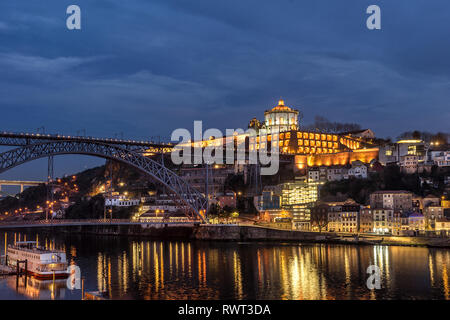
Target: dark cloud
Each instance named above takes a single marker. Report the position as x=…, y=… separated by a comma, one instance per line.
x=147, y=67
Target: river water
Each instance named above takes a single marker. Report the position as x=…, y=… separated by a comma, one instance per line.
x=132, y=268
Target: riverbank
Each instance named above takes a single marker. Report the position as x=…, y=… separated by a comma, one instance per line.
x=241, y=233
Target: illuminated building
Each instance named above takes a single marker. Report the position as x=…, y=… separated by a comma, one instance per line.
x=433, y=213
x=344, y=216
x=281, y=118
x=121, y=201
x=392, y=152
x=416, y=221
x=298, y=198
x=440, y=158
x=383, y=220
x=409, y=163
x=443, y=225
x=365, y=220
x=280, y=131
x=400, y=223
x=268, y=203
x=336, y=172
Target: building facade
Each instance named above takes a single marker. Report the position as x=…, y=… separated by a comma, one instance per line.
x=395, y=200
x=383, y=221
x=299, y=197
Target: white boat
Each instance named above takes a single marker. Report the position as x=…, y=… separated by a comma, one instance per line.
x=41, y=263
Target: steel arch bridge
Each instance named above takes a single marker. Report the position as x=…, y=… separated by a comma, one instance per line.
x=194, y=201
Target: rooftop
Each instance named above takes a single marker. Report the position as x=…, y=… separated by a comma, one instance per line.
x=391, y=191
x=281, y=107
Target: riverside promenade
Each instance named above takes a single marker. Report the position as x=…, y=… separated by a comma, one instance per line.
x=188, y=230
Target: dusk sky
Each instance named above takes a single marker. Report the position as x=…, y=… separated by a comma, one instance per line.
x=145, y=68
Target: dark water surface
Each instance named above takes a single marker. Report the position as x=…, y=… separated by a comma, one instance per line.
x=131, y=268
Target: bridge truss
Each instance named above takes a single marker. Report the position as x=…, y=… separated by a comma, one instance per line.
x=194, y=201
x=23, y=139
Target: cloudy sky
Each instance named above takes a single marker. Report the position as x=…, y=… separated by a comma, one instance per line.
x=146, y=67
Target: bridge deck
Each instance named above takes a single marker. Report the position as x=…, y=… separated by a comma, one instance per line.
x=66, y=223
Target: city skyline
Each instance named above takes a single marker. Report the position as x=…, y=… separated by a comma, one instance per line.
x=212, y=153
x=208, y=62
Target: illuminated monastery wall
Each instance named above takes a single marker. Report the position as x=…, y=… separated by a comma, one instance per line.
x=340, y=158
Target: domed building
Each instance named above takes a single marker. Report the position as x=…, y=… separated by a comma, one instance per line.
x=281, y=118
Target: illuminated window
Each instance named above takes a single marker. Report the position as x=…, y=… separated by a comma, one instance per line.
x=299, y=135
x=389, y=152
x=288, y=135
x=324, y=144
x=281, y=136
x=311, y=136
x=307, y=143
x=305, y=135
x=300, y=142
x=281, y=143
x=330, y=145
x=263, y=138
x=329, y=138
x=313, y=143
x=306, y=149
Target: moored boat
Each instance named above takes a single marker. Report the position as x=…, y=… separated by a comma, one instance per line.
x=41, y=263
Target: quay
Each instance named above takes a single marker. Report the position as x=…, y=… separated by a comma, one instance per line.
x=226, y=232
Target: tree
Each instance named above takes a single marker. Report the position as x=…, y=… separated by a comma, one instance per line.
x=322, y=124
x=319, y=216
x=214, y=210
x=440, y=138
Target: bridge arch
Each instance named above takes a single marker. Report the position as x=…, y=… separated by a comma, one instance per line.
x=188, y=195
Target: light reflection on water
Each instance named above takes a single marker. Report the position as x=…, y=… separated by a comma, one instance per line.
x=147, y=269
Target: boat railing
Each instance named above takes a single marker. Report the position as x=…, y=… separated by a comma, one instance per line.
x=38, y=250
x=45, y=268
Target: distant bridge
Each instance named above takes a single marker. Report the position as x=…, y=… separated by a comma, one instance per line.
x=22, y=184
x=91, y=222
